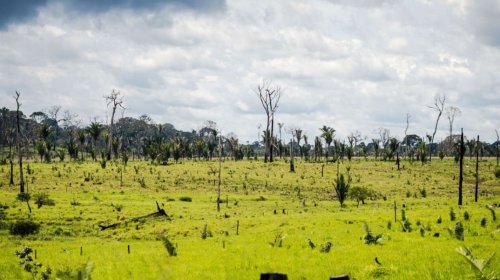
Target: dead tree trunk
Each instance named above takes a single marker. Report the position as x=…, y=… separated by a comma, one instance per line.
x=18, y=144
x=461, y=175
x=220, y=166
x=114, y=100
x=439, y=107
x=477, y=170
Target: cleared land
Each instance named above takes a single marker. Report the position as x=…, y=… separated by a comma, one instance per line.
x=278, y=212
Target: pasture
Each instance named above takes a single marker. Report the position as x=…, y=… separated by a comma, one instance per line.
x=270, y=220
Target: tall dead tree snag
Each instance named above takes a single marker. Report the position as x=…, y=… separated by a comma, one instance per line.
x=451, y=113
x=220, y=168
x=19, y=144
x=461, y=175
x=477, y=170
x=498, y=140
x=269, y=97
x=114, y=100
x=438, y=106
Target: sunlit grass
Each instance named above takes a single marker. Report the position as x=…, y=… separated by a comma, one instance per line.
x=266, y=201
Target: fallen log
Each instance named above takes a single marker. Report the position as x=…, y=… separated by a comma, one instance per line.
x=160, y=213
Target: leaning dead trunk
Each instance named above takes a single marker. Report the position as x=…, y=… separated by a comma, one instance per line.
x=18, y=145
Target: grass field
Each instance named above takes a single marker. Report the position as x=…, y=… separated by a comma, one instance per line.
x=277, y=213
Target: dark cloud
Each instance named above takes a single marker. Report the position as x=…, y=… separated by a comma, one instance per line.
x=17, y=11
x=97, y=6
x=23, y=10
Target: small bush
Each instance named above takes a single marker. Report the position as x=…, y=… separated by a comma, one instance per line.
x=459, y=231
x=423, y=192
x=483, y=222
x=185, y=199
x=466, y=216
x=453, y=216
x=370, y=238
x=439, y=220
x=406, y=226
x=325, y=248
x=24, y=227
x=497, y=173
x=43, y=199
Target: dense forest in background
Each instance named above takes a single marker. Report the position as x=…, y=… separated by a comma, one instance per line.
x=46, y=136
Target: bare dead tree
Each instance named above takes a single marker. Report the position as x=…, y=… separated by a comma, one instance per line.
x=18, y=143
x=406, y=130
x=451, y=113
x=498, y=140
x=114, y=100
x=269, y=97
x=438, y=106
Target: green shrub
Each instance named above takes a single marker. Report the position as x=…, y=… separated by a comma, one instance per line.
x=453, y=216
x=370, y=238
x=483, y=222
x=466, y=216
x=43, y=199
x=185, y=199
x=459, y=231
x=341, y=186
x=439, y=220
x=24, y=227
x=497, y=173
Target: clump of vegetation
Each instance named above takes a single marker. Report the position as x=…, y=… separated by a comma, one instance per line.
x=185, y=199
x=483, y=222
x=205, y=233
x=24, y=227
x=360, y=194
x=341, y=186
x=81, y=273
x=278, y=240
x=439, y=220
x=423, y=192
x=43, y=199
x=466, y=216
x=453, y=216
x=117, y=207
x=406, y=225
x=497, y=173
x=479, y=266
x=369, y=237
x=30, y=266
x=171, y=249
x=325, y=248
x=459, y=231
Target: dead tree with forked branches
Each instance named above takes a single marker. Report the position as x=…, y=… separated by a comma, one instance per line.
x=269, y=96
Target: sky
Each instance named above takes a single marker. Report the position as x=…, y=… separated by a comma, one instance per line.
x=352, y=65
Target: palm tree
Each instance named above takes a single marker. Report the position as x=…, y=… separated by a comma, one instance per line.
x=81, y=139
x=94, y=130
x=327, y=133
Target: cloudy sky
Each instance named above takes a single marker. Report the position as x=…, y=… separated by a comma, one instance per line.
x=353, y=65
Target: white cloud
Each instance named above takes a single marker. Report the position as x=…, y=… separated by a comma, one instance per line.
x=351, y=65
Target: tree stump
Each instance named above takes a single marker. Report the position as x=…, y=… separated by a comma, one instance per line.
x=273, y=276
x=340, y=277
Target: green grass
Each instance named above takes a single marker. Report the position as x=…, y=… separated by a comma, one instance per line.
x=251, y=194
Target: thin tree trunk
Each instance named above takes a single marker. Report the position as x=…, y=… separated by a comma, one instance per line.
x=292, y=166
x=477, y=170
x=220, y=165
x=18, y=144
x=461, y=177
x=271, y=148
